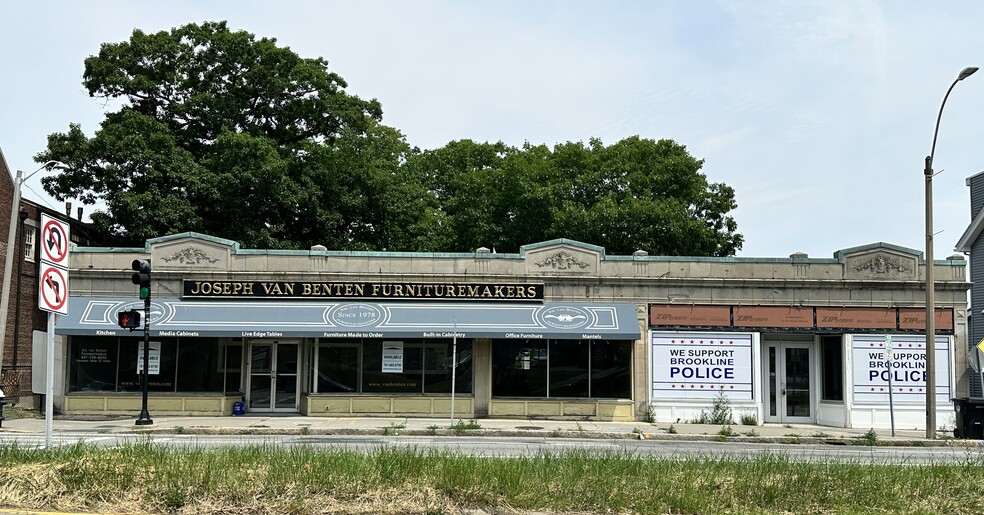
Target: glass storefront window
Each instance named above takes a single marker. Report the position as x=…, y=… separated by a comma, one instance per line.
x=576, y=369
x=437, y=368
x=93, y=364
x=199, y=368
x=374, y=380
x=413, y=366
x=338, y=368
x=832, y=369
x=569, y=368
x=232, y=359
x=519, y=368
x=185, y=365
x=129, y=378
x=611, y=373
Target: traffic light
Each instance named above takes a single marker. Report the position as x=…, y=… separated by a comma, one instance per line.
x=128, y=319
x=141, y=276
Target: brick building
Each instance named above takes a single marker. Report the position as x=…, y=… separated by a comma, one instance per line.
x=25, y=324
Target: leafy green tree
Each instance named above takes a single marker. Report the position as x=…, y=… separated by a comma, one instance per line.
x=464, y=178
x=225, y=134
x=642, y=194
x=222, y=133
x=635, y=194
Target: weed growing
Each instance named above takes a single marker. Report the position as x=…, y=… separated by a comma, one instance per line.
x=721, y=413
x=462, y=426
x=870, y=438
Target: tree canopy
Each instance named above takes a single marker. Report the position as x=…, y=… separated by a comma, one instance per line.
x=222, y=133
x=636, y=194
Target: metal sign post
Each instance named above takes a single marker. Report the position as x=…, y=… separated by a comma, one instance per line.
x=53, y=298
x=888, y=364
x=454, y=367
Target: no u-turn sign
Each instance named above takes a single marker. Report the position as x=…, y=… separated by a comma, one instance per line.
x=53, y=277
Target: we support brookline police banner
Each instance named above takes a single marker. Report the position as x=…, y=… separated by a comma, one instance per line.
x=701, y=365
x=908, y=369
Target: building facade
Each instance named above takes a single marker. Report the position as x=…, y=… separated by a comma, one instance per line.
x=26, y=325
x=558, y=330
x=972, y=244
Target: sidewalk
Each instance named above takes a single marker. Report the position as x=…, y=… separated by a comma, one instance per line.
x=297, y=424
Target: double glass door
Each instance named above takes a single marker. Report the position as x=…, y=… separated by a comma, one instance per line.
x=274, y=381
x=788, y=389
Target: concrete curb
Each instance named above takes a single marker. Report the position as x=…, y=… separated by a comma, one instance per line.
x=503, y=433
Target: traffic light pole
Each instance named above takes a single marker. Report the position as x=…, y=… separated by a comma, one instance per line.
x=141, y=277
x=144, y=418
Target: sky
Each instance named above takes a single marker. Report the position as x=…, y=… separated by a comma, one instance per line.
x=819, y=113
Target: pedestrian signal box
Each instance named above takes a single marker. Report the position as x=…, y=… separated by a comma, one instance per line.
x=129, y=319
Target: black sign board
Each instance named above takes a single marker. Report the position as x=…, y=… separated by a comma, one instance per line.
x=362, y=290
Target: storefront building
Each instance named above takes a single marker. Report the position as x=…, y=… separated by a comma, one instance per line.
x=558, y=330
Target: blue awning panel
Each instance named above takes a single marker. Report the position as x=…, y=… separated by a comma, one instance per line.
x=190, y=318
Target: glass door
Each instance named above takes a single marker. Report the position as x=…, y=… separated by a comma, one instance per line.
x=789, y=382
x=273, y=376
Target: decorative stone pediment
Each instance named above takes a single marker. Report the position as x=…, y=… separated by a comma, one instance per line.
x=191, y=251
x=880, y=261
x=562, y=257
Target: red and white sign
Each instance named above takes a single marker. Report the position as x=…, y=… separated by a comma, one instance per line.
x=54, y=241
x=53, y=280
x=53, y=290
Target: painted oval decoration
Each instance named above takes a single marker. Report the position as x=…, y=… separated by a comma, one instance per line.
x=157, y=311
x=565, y=317
x=355, y=315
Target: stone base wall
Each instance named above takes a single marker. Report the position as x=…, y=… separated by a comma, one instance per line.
x=130, y=404
x=586, y=409
x=408, y=406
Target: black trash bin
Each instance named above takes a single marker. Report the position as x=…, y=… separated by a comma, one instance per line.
x=970, y=418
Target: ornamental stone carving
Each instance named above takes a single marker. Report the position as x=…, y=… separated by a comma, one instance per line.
x=191, y=256
x=881, y=265
x=562, y=261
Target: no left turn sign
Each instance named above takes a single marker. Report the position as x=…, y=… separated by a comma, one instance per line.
x=53, y=290
x=53, y=280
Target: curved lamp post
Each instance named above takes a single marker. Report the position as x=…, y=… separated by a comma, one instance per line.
x=930, y=284
x=11, y=242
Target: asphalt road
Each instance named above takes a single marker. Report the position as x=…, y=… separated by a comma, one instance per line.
x=519, y=446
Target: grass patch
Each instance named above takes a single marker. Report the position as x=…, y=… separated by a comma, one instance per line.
x=14, y=412
x=870, y=438
x=394, y=429
x=650, y=415
x=462, y=426
x=275, y=479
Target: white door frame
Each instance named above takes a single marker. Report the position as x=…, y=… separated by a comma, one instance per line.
x=268, y=379
x=775, y=388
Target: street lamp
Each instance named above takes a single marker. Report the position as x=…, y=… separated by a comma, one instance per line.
x=11, y=240
x=930, y=284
